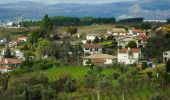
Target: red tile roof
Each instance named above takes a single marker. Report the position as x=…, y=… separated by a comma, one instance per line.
x=138, y=31
x=4, y=67
x=10, y=61
x=23, y=37
x=133, y=50
x=142, y=36
x=92, y=46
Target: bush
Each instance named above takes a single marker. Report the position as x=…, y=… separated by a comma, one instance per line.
x=70, y=85
x=168, y=66
x=144, y=65
x=149, y=74
x=115, y=75
x=157, y=97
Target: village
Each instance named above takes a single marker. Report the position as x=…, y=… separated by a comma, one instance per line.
x=127, y=44
x=108, y=61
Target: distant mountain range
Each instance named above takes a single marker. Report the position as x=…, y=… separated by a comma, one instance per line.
x=149, y=9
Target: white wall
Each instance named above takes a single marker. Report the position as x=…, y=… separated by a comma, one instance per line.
x=93, y=51
x=108, y=61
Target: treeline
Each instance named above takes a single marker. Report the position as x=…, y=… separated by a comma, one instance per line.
x=72, y=21
x=131, y=20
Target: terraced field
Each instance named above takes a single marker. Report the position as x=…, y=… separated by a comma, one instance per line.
x=75, y=72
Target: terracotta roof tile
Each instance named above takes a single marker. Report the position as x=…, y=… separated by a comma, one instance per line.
x=142, y=36
x=10, y=61
x=133, y=50
x=138, y=31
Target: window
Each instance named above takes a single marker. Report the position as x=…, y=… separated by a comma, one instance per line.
x=86, y=48
x=165, y=53
x=96, y=49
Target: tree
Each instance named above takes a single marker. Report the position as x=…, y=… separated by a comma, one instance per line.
x=96, y=40
x=8, y=53
x=115, y=75
x=131, y=44
x=168, y=66
x=144, y=65
x=145, y=26
x=72, y=30
x=110, y=37
x=70, y=85
x=46, y=24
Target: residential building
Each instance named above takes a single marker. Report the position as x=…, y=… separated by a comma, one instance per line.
x=137, y=32
x=166, y=56
x=129, y=55
x=16, y=53
x=118, y=32
x=23, y=39
x=99, y=59
x=14, y=43
x=92, y=49
x=141, y=40
x=7, y=64
x=123, y=41
x=91, y=37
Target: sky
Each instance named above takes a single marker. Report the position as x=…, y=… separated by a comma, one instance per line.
x=64, y=1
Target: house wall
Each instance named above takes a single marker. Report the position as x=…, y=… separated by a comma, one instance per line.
x=3, y=70
x=84, y=62
x=126, y=59
x=108, y=61
x=91, y=38
x=166, y=56
x=92, y=50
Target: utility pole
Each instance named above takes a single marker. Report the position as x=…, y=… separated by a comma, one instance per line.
x=78, y=53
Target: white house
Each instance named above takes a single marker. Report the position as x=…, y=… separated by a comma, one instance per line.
x=141, y=40
x=123, y=41
x=16, y=53
x=4, y=69
x=92, y=48
x=137, y=32
x=129, y=55
x=166, y=56
x=91, y=37
x=118, y=32
x=7, y=64
x=99, y=59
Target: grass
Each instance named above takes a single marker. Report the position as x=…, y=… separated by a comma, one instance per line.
x=75, y=72
x=106, y=43
x=55, y=73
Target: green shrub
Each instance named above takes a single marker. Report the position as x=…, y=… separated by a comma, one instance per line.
x=115, y=75
x=144, y=65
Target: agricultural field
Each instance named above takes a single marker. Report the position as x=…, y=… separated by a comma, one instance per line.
x=101, y=29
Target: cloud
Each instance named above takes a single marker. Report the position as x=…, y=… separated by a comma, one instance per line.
x=65, y=1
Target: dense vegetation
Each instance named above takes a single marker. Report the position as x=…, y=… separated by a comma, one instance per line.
x=131, y=20
x=72, y=21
